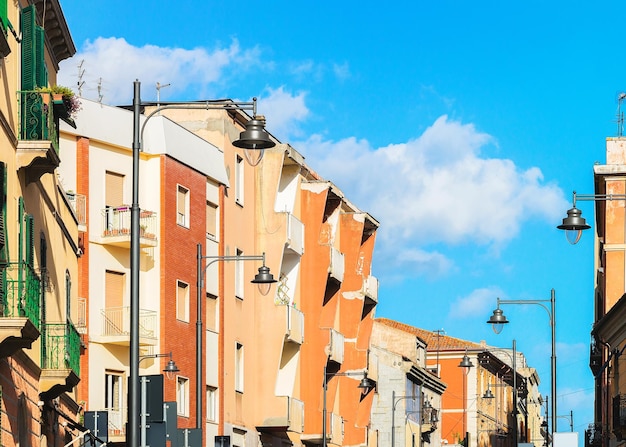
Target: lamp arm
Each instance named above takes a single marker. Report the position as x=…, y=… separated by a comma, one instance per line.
x=537, y=302
x=205, y=105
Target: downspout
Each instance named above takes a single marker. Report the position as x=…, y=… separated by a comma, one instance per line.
x=221, y=341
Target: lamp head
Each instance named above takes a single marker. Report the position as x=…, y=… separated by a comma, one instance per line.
x=497, y=320
x=264, y=279
x=466, y=363
x=488, y=394
x=254, y=139
x=366, y=384
x=170, y=369
x=574, y=224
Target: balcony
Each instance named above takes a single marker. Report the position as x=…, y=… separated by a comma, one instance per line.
x=593, y=436
x=335, y=429
x=334, y=349
x=38, y=141
x=337, y=266
x=79, y=205
x=60, y=359
x=370, y=289
x=294, y=322
x=20, y=307
x=115, y=326
x=116, y=227
x=81, y=323
x=294, y=237
x=619, y=416
x=290, y=417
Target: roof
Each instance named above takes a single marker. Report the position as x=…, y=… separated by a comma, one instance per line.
x=433, y=339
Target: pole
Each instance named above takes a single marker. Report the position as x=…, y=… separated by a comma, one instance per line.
x=324, y=411
x=393, y=418
x=133, y=385
x=199, y=381
x=553, y=359
x=514, y=393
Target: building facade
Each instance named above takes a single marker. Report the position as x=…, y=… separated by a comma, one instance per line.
x=39, y=239
x=609, y=332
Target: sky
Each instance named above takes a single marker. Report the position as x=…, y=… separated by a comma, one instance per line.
x=462, y=127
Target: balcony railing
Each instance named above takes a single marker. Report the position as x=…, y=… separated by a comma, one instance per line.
x=294, y=239
x=60, y=347
x=295, y=325
x=36, y=118
x=81, y=323
x=593, y=436
x=336, y=268
x=22, y=295
x=335, y=346
x=116, y=322
x=116, y=225
x=79, y=204
x=370, y=288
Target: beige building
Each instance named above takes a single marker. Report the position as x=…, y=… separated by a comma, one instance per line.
x=40, y=345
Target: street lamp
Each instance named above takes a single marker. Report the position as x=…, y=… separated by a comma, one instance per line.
x=425, y=406
x=574, y=223
x=498, y=319
x=365, y=385
x=254, y=138
x=169, y=369
x=264, y=280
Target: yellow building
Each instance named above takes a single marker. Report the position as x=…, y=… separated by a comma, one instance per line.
x=40, y=344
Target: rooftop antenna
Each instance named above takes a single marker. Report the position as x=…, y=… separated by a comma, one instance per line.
x=439, y=333
x=159, y=86
x=620, y=114
x=80, y=82
x=100, y=95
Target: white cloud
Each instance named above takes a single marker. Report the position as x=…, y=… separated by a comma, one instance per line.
x=437, y=188
x=478, y=303
x=284, y=111
x=115, y=64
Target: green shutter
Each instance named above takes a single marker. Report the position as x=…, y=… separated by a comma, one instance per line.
x=41, y=72
x=30, y=240
x=28, y=47
x=4, y=15
x=3, y=210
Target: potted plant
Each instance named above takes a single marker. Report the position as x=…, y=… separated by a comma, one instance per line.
x=65, y=94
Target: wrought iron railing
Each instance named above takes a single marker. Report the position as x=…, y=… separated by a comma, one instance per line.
x=593, y=436
x=116, y=322
x=60, y=347
x=116, y=222
x=22, y=293
x=36, y=117
x=79, y=204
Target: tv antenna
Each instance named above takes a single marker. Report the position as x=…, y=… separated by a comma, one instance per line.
x=159, y=86
x=620, y=114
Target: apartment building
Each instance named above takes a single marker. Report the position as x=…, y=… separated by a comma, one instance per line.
x=39, y=239
x=181, y=180
x=609, y=332
x=407, y=405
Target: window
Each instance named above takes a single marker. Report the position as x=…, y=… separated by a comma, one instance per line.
x=211, y=221
x=114, y=398
x=114, y=289
x=68, y=296
x=182, y=301
x=182, y=206
x=239, y=180
x=211, y=312
x=182, y=396
x=34, y=71
x=211, y=403
x=239, y=276
x=239, y=367
x=113, y=199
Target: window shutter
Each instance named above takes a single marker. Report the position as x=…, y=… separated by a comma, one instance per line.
x=30, y=240
x=114, y=189
x=114, y=289
x=3, y=210
x=4, y=15
x=41, y=72
x=28, y=47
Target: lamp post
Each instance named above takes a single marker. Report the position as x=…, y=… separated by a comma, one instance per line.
x=365, y=385
x=466, y=364
x=169, y=369
x=264, y=279
x=570, y=418
x=394, y=401
x=254, y=138
x=498, y=319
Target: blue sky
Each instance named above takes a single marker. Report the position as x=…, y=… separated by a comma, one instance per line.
x=463, y=127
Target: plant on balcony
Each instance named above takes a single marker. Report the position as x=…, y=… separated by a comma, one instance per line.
x=61, y=93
